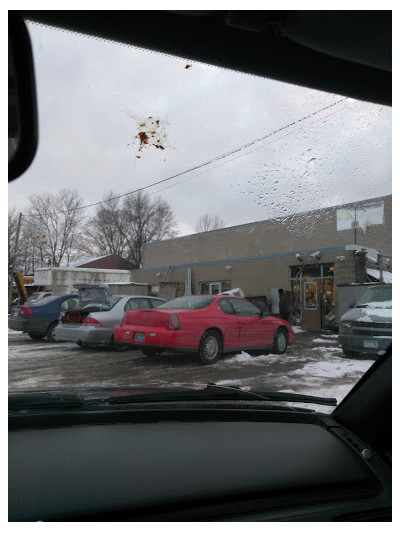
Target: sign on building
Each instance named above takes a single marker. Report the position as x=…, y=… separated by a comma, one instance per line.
x=360, y=216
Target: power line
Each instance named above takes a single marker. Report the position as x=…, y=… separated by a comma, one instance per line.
x=214, y=159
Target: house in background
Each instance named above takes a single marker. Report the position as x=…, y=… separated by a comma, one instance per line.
x=114, y=262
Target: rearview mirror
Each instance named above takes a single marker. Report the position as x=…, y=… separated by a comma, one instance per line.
x=22, y=115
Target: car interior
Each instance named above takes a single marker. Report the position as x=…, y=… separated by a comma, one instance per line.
x=196, y=460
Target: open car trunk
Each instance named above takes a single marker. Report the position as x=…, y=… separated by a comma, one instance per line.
x=92, y=298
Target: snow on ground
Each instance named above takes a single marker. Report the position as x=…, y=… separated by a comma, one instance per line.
x=297, y=329
x=315, y=368
x=12, y=332
x=323, y=372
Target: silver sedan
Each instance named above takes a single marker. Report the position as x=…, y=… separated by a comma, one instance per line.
x=94, y=323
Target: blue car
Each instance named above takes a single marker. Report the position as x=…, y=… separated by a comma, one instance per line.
x=39, y=319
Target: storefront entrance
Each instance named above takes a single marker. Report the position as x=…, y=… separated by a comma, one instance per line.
x=313, y=294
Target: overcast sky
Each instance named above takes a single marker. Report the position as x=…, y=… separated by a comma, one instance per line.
x=94, y=95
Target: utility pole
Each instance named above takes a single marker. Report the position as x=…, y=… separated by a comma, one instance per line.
x=380, y=266
x=355, y=224
x=13, y=262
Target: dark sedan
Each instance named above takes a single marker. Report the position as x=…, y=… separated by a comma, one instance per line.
x=39, y=319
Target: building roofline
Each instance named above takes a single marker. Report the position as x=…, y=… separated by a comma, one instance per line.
x=278, y=255
x=302, y=214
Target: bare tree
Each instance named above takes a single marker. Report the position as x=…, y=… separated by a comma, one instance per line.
x=123, y=227
x=12, y=233
x=146, y=220
x=208, y=223
x=103, y=235
x=53, y=226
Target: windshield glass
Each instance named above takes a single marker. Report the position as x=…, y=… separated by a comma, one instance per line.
x=377, y=297
x=100, y=306
x=45, y=301
x=167, y=177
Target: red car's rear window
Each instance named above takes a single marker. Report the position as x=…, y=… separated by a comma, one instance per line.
x=188, y=302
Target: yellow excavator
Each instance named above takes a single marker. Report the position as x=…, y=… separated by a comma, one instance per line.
x=24, y=287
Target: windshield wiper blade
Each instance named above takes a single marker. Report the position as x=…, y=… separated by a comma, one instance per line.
x=218, y=392
x=277, y=396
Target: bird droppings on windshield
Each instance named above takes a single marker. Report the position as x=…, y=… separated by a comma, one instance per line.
x=152, y=132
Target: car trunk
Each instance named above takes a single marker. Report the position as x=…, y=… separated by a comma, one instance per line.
x=92, y=297
x=149, y=317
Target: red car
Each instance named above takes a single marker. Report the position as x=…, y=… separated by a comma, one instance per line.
x=210, y=325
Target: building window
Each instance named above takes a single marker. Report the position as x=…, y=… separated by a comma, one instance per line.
x=215, y=287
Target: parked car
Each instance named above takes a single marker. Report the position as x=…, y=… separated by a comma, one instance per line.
x=367, y=327
x=94, y=322
x=210, y=325
x=39, y=318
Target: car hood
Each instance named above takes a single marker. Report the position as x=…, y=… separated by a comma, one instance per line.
x=369, y=314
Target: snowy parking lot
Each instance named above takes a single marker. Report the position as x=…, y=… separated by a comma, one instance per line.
x=314, y=364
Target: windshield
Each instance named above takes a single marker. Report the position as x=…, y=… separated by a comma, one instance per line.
x=102, y=306
x=35, y=297
x=376, y=297
x=45, y=301
x=166, y=177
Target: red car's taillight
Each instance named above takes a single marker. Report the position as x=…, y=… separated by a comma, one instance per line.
x=174, y=322
x=90, y=321
x=60, y=319
x=26, y=311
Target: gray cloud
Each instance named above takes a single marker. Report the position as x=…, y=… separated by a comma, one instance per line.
x=92, y=94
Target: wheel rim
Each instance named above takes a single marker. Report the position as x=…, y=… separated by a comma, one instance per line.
x=281, y=341
x=211, y=348
x=52, y=333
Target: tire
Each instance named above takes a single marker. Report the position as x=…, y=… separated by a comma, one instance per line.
x=348, y=353
x=210, y=348
x=151, y=352
x=280, y=341
x=50, y=332
x=36, y=336
x=118, y=346
x=82, y=344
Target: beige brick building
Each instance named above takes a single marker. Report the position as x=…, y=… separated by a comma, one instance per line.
x=309, y=253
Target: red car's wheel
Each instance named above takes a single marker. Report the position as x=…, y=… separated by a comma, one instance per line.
x=210, y=347
x=280, y=341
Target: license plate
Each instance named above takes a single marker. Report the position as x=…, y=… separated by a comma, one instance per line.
x=370, y=344
x=16, y=312
x=139, y=337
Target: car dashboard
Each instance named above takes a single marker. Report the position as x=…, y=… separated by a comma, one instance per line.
x=179, y=464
